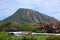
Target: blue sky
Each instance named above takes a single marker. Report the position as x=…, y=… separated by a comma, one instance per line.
x=48, y=7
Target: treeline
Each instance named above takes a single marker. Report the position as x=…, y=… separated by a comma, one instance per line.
x=19, y=26
x=35, y=27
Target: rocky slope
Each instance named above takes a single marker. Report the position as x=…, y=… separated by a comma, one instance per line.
x=29, y=15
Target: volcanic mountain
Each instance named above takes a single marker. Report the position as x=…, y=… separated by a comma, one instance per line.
x=29, y=15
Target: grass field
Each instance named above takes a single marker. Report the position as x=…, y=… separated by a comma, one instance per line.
x=5, y=36
x=41, y=37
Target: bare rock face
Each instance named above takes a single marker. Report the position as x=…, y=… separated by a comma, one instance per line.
x=29, y=15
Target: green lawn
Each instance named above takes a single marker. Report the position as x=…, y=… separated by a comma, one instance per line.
x=5, y=36
x=41, y=37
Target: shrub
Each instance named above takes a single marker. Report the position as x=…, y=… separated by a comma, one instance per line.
x=29, y=37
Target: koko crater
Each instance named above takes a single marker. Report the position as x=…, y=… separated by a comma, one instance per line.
x=29, y=15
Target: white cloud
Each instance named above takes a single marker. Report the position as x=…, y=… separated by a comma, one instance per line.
x=47, y=5
x=44, y=6
x=56, y=15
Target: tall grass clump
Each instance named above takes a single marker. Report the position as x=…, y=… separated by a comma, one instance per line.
x=29, y=37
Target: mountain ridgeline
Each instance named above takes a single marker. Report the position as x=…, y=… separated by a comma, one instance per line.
x=29, y=15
